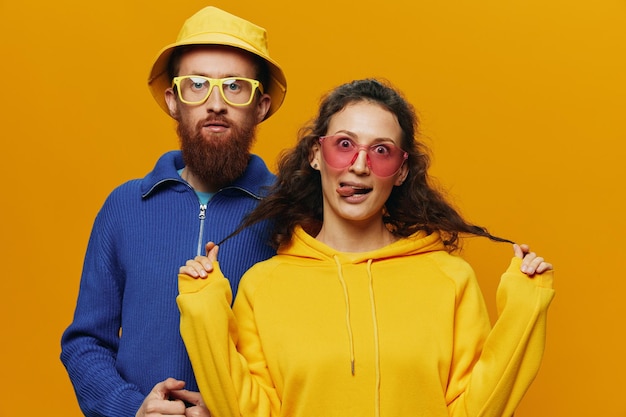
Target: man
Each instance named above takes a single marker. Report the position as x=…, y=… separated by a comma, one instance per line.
x=123, y=351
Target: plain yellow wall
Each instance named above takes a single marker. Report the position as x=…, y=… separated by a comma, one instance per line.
x=522, y=101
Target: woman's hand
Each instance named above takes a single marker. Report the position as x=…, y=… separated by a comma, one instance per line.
x=531, y=263
x=200, y=266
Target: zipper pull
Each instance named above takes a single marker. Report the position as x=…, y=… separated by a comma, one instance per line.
x=202, y=214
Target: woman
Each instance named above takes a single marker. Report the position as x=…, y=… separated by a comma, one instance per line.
x=365, y=310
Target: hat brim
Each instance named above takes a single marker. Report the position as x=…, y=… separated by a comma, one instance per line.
x=159, y=81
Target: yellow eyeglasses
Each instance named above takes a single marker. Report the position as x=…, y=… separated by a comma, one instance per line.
x=196, y=89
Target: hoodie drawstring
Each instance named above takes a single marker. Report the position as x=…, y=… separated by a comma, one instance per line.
x=374, y=324
x=347, y=301
x=376, y=340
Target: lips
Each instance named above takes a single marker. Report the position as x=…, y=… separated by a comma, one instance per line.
x=348, y=190
x=216, y=127
x=215, y=123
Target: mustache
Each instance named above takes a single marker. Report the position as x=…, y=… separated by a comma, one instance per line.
x=214, y=118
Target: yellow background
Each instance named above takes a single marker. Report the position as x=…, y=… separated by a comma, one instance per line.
x=522, y=101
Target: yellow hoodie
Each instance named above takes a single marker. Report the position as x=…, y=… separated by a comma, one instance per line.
x=400, y=331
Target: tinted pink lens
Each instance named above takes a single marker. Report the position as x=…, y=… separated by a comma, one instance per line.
x=383, y=159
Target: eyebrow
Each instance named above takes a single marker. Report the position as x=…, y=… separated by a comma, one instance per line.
x=204, y=74
x=355, y=136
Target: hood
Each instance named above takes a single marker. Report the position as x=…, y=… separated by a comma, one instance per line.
x=303, y=245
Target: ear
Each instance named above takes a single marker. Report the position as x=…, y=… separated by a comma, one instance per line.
x=172, y=103
x=404, y=172
x=263, y=106
x=314, y=157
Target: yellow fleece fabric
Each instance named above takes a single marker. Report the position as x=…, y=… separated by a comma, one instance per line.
x=400, y=331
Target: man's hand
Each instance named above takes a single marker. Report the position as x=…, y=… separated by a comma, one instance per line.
x=195, y=405
x=168, y=398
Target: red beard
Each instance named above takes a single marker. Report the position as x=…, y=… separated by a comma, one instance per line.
x=216, y=159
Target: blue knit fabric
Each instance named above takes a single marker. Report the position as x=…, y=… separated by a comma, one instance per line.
x=145, y=230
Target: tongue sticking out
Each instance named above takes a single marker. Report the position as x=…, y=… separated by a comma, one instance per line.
x=349, y=191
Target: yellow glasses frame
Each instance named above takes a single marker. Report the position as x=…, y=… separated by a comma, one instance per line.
x=217, y=82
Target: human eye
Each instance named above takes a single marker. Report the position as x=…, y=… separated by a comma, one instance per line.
x=381, y=150
x=344, y=144
x=233, y=85
x=197, y=83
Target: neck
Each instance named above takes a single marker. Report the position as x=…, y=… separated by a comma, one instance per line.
x=196, y=183
x=356, y=237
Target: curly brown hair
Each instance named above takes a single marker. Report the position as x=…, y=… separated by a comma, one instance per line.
x=417, y=204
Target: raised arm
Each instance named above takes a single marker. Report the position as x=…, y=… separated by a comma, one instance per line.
x=230, y=384
x=511, y=355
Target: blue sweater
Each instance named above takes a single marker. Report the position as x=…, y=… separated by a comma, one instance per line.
x=125, y=334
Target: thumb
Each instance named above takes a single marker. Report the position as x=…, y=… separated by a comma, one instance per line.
x=211, y=251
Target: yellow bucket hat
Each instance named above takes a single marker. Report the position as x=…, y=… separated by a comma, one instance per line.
x=213, y=26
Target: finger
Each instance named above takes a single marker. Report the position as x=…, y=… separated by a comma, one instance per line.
x=197, y=411
x=536, y=262
x=191, y=397
x=169, y=407
x=171, y=384
x=543, y=267
x=517, y=250
x=157, y=407
x=193, y=268
x=193, y=401
x=202, y=264
x=531, y=263
x=527, y=266
x=163, y=388
x=195, y=404
x=212, y=254
x=188, y=270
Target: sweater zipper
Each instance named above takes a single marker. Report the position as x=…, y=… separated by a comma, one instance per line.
x=201, y=216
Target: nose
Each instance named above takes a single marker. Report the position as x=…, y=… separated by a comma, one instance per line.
x=215, y=102
x=360, y=163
